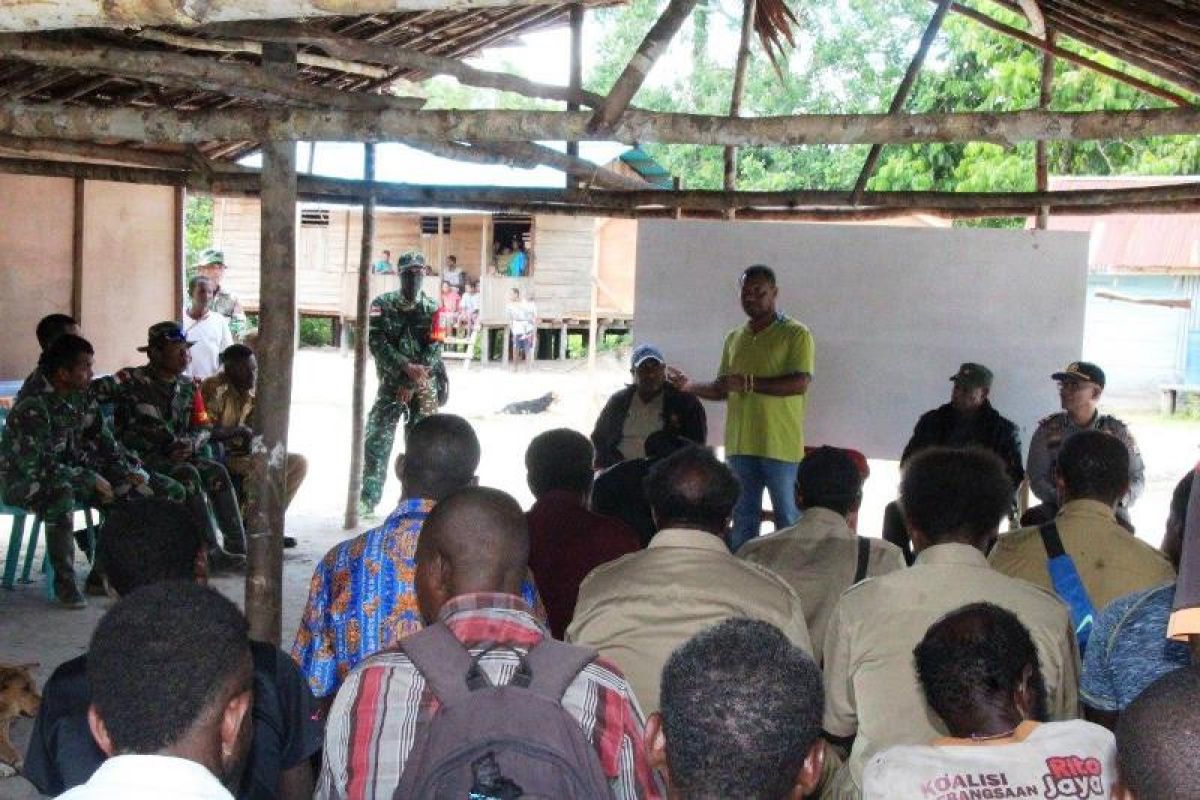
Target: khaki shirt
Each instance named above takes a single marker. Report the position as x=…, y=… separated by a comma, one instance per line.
x=818, y=556
x=638, y=609
x=871, y=688
x=1111, y=561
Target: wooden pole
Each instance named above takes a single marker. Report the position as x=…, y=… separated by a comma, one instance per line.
x=77, y=252
x=735, y=102
x=638, y=68
x=238, y=124
x=180, y=244
x=575, y=77
x=1042, y=149
x=1070, y=56
x=276, y=348
x=902, y=92
x=363, y=301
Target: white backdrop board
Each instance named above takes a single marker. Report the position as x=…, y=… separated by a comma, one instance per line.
x=893, y=312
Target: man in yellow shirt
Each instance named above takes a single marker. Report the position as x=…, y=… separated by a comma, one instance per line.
x=766, y=368
x=229, y=401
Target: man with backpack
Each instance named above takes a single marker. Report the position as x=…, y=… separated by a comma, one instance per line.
x=483, y=703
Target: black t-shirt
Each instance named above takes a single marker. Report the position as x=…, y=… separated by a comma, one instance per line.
x=287, y=727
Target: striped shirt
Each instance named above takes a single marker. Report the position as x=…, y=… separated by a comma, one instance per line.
x=384, y=704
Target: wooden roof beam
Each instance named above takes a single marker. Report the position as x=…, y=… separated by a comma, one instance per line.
x=57, y=120
x=175, y=69
x=37, y=15
x=235, y=46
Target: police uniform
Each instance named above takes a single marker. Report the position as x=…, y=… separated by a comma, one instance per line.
x=223, y=301
x=1054, y=430
x=153, y=414
x=400, y=333
x=53, y=449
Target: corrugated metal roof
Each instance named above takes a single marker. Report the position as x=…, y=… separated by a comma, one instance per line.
x=1165, y=243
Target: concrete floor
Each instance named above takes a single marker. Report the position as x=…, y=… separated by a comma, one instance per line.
x=32, y=630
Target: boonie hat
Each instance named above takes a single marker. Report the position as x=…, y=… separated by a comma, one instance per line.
x=1081, y=371
x=211, y=256
x=646, y=352
x=412, y=259
x=163, y=332
x=973, y=375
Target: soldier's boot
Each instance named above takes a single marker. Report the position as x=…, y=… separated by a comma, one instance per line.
x=229, y=517
x=219, y=559
x=60, y=546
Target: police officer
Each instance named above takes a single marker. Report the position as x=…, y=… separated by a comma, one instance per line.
x=224, y=302
x=57, y=454
x=1079, y=388
x=408, y=362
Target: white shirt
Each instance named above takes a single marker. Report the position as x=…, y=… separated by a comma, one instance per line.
x=211, y=336
x=1057, y=759
x=642, y=420
x=150, y=778
x=454, y=277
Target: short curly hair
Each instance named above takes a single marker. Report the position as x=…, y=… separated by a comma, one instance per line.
x=1158, y=737
x=741, y=707
x=691, y=487
x=955, y=494
x=161, y=658
x=974, y=658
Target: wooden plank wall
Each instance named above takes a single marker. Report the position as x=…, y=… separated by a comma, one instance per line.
x=563, y=251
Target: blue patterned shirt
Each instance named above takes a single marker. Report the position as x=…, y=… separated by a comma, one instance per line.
x=363, y=598
x=1128, y=649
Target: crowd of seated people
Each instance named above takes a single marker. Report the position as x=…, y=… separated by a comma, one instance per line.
x=607, y=642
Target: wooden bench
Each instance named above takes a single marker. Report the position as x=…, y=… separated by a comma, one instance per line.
x=1171, y=393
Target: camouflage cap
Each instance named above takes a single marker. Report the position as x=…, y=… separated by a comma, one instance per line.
x=163, y=332
x=211, y=256
x=973, y=375
x=411, y=259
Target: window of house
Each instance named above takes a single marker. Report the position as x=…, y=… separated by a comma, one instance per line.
x=512, y=245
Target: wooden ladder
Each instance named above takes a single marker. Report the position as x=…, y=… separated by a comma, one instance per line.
x=451, y=344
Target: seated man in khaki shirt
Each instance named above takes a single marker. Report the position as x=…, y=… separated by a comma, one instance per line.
x=953, y=501
x=820, y=556
x=638, y=609
x=1092, y=476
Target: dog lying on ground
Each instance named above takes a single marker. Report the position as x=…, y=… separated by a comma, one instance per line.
x=535, y=406
x=18, y=698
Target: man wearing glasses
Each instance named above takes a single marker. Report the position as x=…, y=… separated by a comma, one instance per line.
x=1079, y=388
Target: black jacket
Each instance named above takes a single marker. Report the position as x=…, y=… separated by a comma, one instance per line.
x=682, y=415
x=938, y=428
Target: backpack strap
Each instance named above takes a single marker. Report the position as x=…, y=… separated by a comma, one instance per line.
x=553, y=665
x=442, y=661
x=864, y=557
x=1051, y=540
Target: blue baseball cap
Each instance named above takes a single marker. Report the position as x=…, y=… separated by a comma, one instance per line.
x=646, y=352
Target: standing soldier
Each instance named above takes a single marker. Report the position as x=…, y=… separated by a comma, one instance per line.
x=160, y=416
x=224, y=302
x=57, y=453
x=408, y=362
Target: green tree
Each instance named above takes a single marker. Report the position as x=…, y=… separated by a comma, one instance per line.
x=197, y=227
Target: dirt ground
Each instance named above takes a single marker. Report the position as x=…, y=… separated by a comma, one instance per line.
x=32, y=630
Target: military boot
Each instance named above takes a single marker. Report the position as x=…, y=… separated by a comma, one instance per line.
x=60, y=546
x=219, y=559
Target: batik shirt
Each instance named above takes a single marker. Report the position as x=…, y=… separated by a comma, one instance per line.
x=386, y=704
x=401, y=333
x=54, y=439
x=362, y=598
x=151, y=414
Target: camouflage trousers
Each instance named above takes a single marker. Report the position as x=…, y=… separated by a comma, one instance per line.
x=210, y=493
x=381, y=434
x=55, y=502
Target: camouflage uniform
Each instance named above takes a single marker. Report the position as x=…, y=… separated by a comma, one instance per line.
x=1048, y=439
x=53, y=448
x=400, y=333
x=151, y=415
x=229, y=306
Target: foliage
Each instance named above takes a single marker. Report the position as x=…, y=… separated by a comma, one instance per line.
x=198, y=229
x=316, y=332
x=851, y=57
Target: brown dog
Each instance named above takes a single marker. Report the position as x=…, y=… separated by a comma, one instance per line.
x=18, y=698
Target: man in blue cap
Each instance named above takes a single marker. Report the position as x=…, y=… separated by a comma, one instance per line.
x=648, y=405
